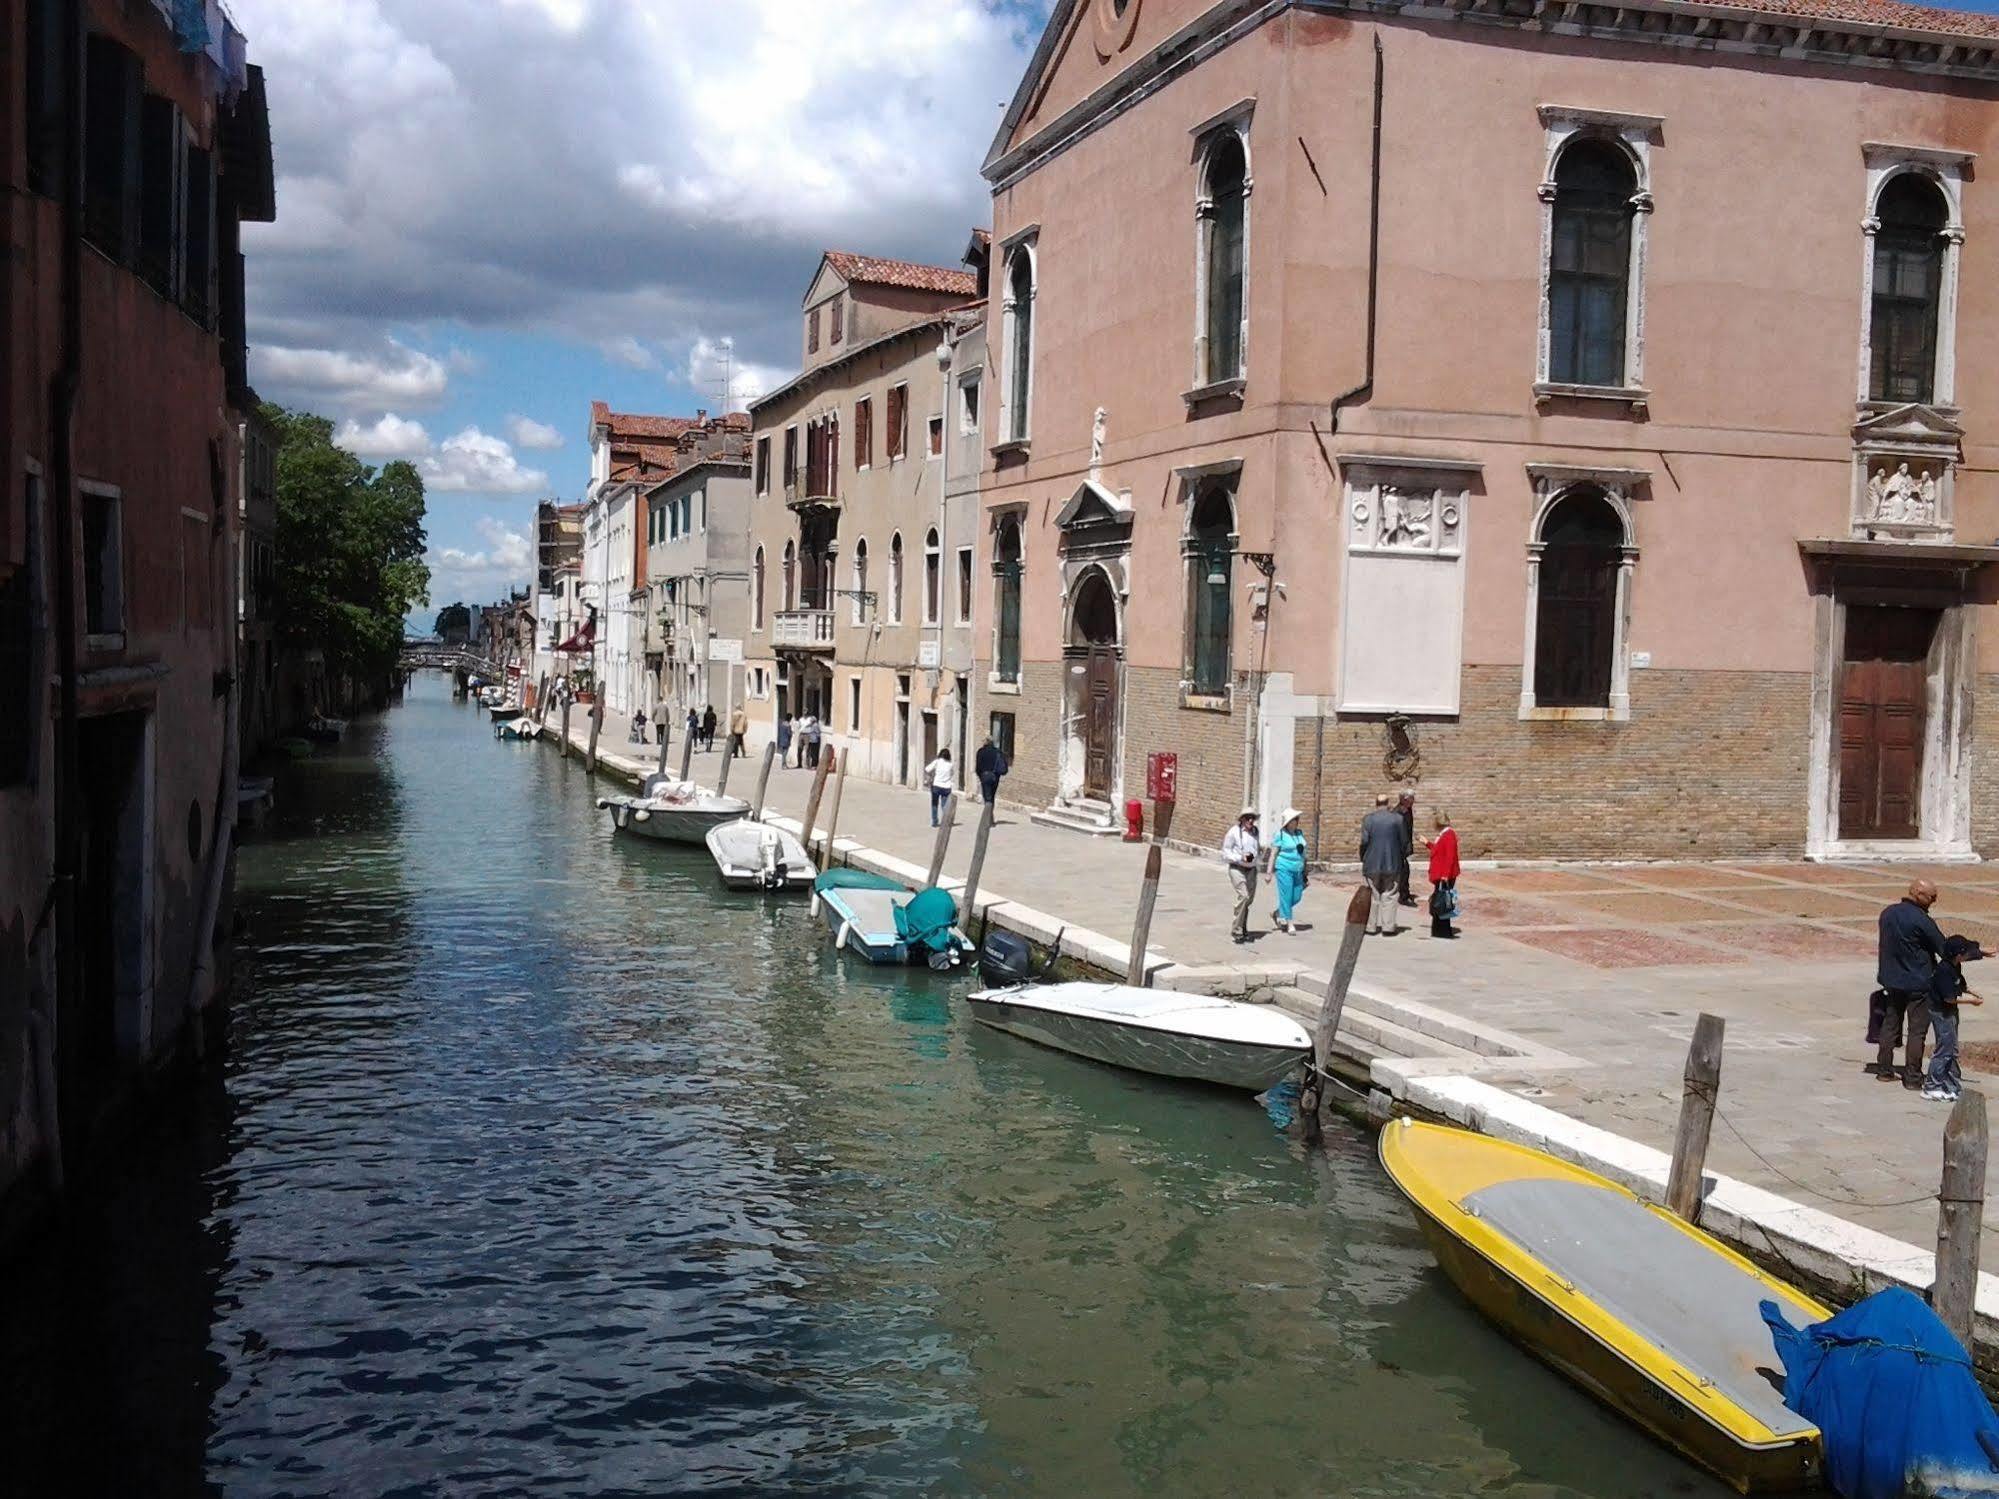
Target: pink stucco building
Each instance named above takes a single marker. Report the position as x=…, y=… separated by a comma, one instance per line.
x=1582, y=412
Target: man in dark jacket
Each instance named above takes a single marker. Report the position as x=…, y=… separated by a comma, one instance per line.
x=1405, y=808
x=1384, y=849
x=990, y=764
x=1911, y=948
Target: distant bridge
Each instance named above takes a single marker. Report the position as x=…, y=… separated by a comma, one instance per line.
x=427, y=657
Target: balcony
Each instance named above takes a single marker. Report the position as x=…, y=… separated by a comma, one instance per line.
x=803, y=630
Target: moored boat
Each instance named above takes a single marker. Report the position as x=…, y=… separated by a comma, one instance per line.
x=1653, y=1317
x=672, y=811
x=1199, y=1037
x=323, y=730
x=756, y=856
x=886, y=922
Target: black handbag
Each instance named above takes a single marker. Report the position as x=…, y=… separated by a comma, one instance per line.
x=1440, y=904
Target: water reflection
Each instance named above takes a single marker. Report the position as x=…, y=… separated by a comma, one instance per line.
x=548, y=1167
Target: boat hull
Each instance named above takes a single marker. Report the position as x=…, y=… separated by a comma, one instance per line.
x=1545, y=1313
x=670, y=824
x=1229, y=1064
x=736, y=848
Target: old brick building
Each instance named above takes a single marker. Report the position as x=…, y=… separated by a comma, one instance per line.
x=1582, y=413
x=134, y=140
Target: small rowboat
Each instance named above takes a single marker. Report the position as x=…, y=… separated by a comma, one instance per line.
x=886, y=922
x=756, y=856
x=1656, y=1319
x=672, y=811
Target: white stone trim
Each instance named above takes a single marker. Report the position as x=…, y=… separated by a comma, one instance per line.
x=1553, y=482
x=1562, y=125
x=1026, y=243
x=1432, y=533
x=1947, y=170
x=1233, y=121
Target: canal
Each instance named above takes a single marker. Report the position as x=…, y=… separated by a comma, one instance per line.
x=538, y=1164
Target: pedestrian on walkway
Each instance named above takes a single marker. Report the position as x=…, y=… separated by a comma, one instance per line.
x=659, y=720
x=991, y=764
x=784, y=739
x=1947, y=990
x=708, y=722
x=638, y=735
x=1241, y=851
x=1405, y=808
x=1287, y=869
x=1910, y=949
x=693, y=727
x=1443, y=876
x=808, y=730
x=1382, y=852
x=739, y=726
x=941, y=776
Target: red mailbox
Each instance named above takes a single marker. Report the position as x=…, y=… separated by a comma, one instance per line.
x=1162, y=776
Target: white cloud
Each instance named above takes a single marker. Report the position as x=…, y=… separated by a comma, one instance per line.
x=502, y=560
x=395, y=375
x=711, y=361
x=472, y=462
x=629, y=352
x=391, y=437
x=526, y=432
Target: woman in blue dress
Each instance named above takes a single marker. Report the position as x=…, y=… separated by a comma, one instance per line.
x=1287, y=863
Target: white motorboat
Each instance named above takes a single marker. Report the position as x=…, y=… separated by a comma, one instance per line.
x=1196, y=1036
x=672, y=811
x=756, y=856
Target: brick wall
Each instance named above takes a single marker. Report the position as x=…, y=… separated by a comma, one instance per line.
x=1208, y=741
x=1985, y=768
x=1037, y=719
x=1711, y=765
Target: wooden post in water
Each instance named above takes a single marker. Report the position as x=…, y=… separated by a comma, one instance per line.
x=1960, y=1213
x=728, y=759
x=665, y=732
x=687, y=754
x=812, y=799
x=978, y=861
x=943, y=838
x=833, y=810
x=1141, y=929
x=568, y=701
x=596, y=727
x=1335, y=1002
x=763, y=782
x=1702, y=1083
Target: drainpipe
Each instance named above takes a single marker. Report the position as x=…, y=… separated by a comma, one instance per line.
x=222, y=837
x=1365, y=390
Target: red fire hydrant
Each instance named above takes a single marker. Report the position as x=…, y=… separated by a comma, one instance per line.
x=1134, y=821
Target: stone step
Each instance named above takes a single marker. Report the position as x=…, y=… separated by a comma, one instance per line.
x=1097, y=819
x=1363, y=1031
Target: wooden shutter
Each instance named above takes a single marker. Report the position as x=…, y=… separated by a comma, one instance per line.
x=112, y=107
x=197, y=297
x=48, y=88
x=812, y=331
x=864, y=432
x=898, y=396
x=161, y=146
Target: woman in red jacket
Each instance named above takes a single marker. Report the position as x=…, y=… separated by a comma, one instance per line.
x=1443, y=876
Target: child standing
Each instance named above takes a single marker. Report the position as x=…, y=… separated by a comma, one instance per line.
x=1947, y=990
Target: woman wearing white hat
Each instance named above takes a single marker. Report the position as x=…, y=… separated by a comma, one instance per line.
x=1287, y=865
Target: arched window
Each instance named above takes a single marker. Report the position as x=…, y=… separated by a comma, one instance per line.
x=757, y=592
x=1020, y=341
x=860, y=577
x=1575, y=618
x=895, y=578
x=790, y=575
x=1210, y=552
x=1006, y=602
x=933, y=578
x=1908, y=288
x=1589, y=266
x=1224, y=216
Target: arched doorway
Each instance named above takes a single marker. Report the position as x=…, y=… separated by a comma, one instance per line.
x=1093, y=660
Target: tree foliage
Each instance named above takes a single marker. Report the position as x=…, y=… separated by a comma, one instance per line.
x=454, y=622
x=350, y=548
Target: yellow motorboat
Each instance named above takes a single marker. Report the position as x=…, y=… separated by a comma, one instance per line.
x=1646, y=1312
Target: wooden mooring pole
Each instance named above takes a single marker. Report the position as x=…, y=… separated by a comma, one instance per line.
x=665, y=732
x=833, y=810
x=1960, y=1216
x=1141, y=928
x=763, y=782
x=568, y=701
x=596, y=728
x=1702, y=1084
x=978, y=862
x=812, y=799
x=728, y=759
x=687, y=754
x=1334, y=1004
x=943, y=840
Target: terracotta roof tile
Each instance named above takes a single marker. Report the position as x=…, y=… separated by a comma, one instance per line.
x=872, y=270
x=1889, y=13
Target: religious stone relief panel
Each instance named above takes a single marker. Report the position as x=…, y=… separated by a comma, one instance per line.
x=1903, y=495
x=1390, y=511
x=1401, y=645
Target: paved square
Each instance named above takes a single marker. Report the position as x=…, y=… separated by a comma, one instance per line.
x=1621, y=948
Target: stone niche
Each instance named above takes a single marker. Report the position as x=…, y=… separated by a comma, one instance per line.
x=1903, y=465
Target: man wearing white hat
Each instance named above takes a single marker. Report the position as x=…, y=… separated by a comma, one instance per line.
x=1240, y=852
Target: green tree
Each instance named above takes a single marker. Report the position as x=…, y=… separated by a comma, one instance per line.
x=454, y=623
x=350, y=549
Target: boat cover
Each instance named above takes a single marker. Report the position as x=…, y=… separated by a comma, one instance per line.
x=928, y=920
x=1894, y=1397
x=856, y=879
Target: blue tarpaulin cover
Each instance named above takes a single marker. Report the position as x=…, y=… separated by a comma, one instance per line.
x=1894, y=1398
x=927, y=919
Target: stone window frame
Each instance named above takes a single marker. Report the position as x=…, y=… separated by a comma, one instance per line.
x=1635, y=134
x=1947, y=171
x=1233, y=121
x=1016, y=432
x=998, y=517
x=1621, y=488
x=1193, y=480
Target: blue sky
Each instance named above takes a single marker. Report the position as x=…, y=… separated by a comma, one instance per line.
x=492, y=212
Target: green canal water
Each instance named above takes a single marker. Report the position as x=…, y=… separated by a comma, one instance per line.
x=539, y=1164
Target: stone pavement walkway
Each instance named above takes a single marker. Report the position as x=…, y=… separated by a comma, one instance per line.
x=1609, y=964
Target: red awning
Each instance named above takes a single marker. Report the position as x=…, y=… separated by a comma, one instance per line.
x=582, y=640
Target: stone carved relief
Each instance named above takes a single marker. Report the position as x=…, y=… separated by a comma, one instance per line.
x=1417, y=514
x=1901, y=498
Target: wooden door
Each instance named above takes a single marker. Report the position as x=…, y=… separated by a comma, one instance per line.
x=1883, y=709
x=1099, y=722
x=929, y=737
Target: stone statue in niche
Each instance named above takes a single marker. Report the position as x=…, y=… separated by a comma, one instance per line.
x=1405, y=517
x=1097, y=439
x=1902, y=498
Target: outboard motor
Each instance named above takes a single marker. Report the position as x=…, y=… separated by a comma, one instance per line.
x=1005, y=959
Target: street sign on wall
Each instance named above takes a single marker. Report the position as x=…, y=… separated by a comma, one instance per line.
x=926, y=653
x=724, y=650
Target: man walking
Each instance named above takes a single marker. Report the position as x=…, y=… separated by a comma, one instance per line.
x=1384, y=853
x=739, y=726
x=808, y=735
x=708, y=722
x=1911, y=948
x=1405, y=808
x=1240, y=852
x=991, y=765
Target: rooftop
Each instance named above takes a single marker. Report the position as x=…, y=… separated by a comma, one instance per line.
x=872, y=270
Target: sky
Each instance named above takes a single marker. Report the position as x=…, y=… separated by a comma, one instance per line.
x=492, y=212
